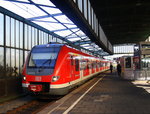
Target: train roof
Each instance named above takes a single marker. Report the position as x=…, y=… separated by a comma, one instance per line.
x=49, y=45
x=60, y=45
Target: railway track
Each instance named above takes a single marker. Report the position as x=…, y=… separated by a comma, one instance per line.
x=31, y=107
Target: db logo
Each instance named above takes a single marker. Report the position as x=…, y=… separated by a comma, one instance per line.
x=38, y=78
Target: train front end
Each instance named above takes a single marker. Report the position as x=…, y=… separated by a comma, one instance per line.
x=38, y=70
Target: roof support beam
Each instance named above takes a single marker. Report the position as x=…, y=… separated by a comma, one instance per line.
x=82, y=42
x=45, y=16
x=63, y=29
x=52, y=22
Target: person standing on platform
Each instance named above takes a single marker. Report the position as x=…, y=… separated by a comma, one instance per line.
x=111, y=68
x=119, y=69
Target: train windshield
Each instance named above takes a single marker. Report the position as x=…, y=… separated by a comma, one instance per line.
x=44, y=57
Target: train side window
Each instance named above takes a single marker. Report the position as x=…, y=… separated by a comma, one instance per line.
x=87, y=65
x=77, y=64
x=94, y=64
x=71, y=60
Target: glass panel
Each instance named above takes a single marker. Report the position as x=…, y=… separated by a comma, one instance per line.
x=1, y=62
x=16, y=70
x=59, y=40
x=85, y=8
x=29, y=37
x=77, y=64
x=24, y=10
x=89, y=12
x=45, y=2
x=44, y=37
x=8, y=62
x=21, y=61
x=94, y=22
x=1, y=29
x=80, y=5
x=33, y=37
x=17, y=34
x=50, y=38
x=21, y=35
x=8, y=40
x=40, y=37
x=12, y=32
x=13, y=62
x=26, y=54
x=36, y=36
x=26, y=37
x=92, y=17
x=53, y=39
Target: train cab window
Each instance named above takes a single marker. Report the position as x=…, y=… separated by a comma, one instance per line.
x=43, y=57
x=77, y=64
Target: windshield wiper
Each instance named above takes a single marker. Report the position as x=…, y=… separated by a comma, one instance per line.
x=48, y=60
x=42, y=66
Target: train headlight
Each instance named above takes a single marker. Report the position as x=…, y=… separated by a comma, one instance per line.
x=55, y=78
x=23, y=77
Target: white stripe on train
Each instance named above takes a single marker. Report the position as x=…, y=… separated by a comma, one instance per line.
x=52, y=86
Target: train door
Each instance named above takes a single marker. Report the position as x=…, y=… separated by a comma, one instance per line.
x=97, y=66
x=72, y=69
x=76, y=68
x=81, y=68
x=93, y=67
x=87, y=68
x=90, y=67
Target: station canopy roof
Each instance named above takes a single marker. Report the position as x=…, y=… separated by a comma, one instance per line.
x=124, y=21
x=47, y=15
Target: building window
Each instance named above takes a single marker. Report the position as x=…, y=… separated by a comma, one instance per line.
x=92, y=21
x=8, y=62
x=1, y=62
x=85, y=9
x=89, y=12
x=29, y=37
x=80, y=4
x=21, y=60
x=13, y=61
x=17, y=70
x=8, y=29
x=1, y=29
x=21, y=35
x=17, y=40
x=12, y=32
x=26, y=36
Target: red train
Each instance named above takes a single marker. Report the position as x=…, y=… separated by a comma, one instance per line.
x=54, y=69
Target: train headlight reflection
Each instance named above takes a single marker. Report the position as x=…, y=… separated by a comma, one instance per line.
x=55, y=78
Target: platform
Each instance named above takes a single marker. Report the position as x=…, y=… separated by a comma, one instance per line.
x=105, y=94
